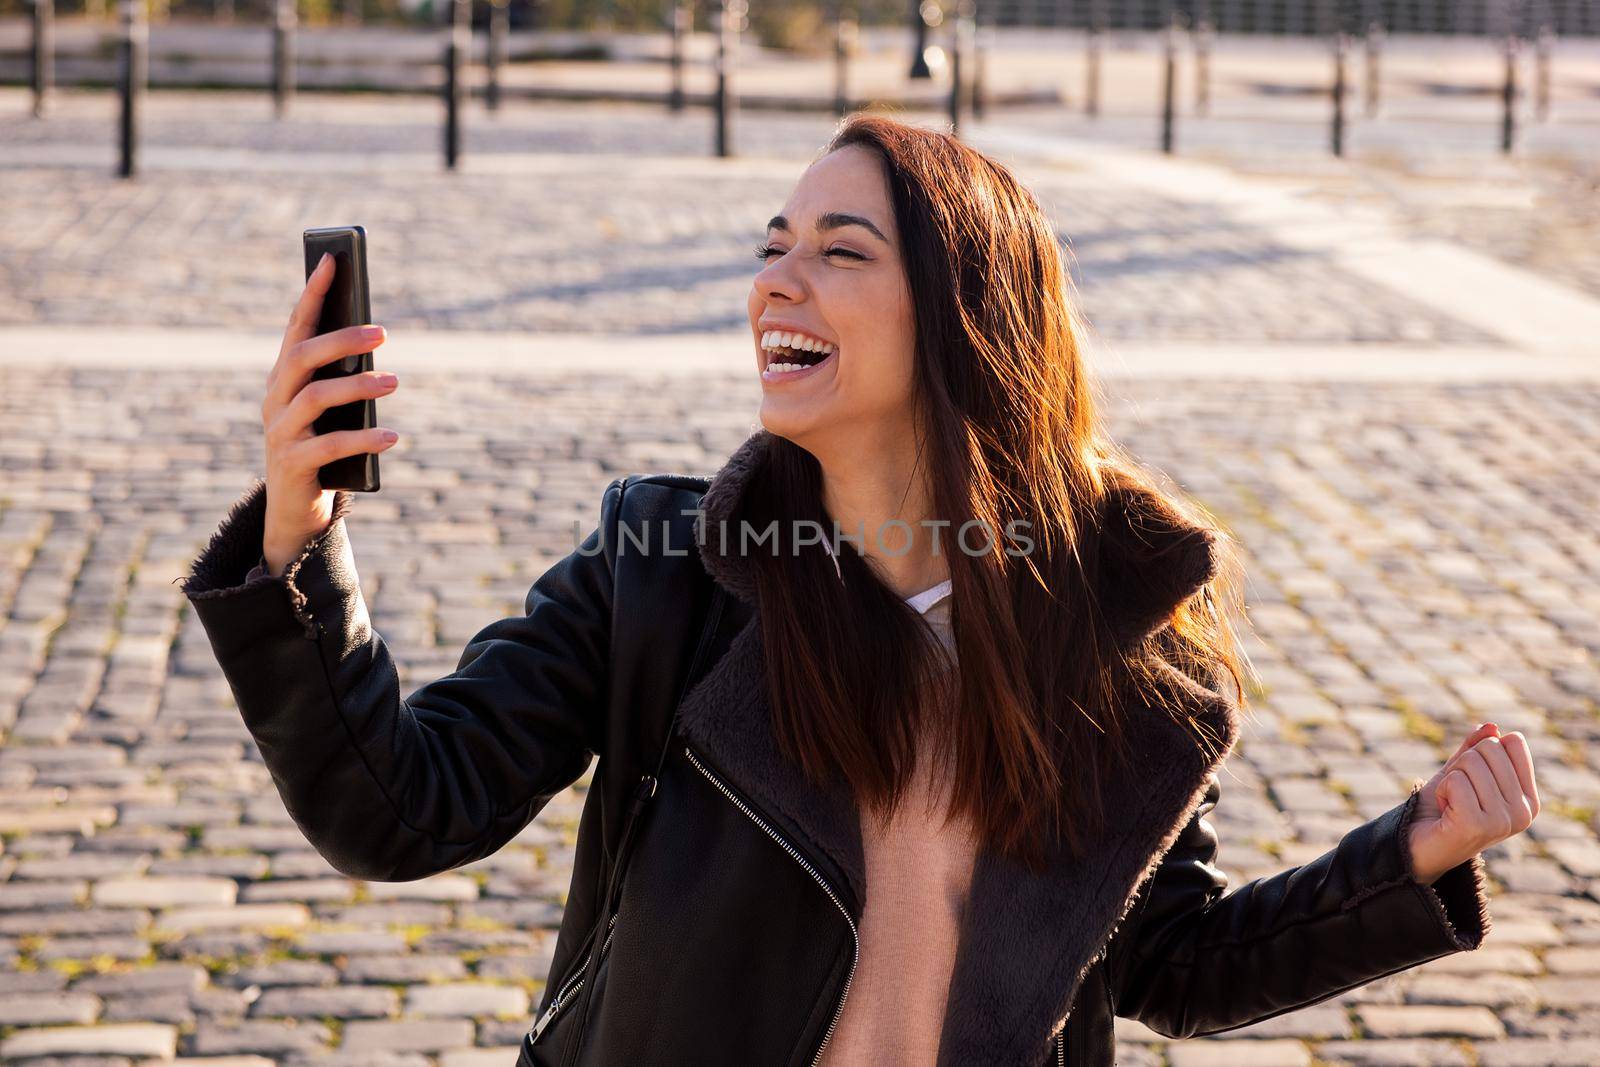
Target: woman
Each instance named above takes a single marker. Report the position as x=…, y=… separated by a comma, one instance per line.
x=931, y=791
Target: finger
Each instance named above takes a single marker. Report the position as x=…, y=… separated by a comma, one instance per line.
x=325, y=448
x=1483, y=730
x=307, y=309
x=1460, y=795
x=297, y=419
x=1491, y=806
x=1493, y=751
x=302, y=361
x=1521, y=757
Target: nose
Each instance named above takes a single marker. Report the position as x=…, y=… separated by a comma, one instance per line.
x=777, y=282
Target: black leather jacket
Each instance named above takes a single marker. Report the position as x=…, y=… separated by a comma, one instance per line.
x=733, y=937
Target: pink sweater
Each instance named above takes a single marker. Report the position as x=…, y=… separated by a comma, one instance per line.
x=918, y=873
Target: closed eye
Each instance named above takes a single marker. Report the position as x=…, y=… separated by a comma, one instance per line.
x=764, y=252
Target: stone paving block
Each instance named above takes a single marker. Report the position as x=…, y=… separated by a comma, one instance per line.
x=1217, y=1052
x=1541, y=1052
x=1402, y=1053
x=157, y=892
x=25, y=896
x=241, y=916
x=34, y=1009
x=282, y=973
x=413, y=1035
x=147, y=1040
x=307, y=890
x=1380, y=1020
x=480, y=1057
x=392, y=970
x=174, y=1008
x=343, y=1002
x=446, y=888
x=469, y=999
x=266, y=1037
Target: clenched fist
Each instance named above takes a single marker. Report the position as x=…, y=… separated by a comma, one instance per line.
x=1483, y=794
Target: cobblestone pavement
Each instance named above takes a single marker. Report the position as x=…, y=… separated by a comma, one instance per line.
x=585, y=242
x=1422, y=557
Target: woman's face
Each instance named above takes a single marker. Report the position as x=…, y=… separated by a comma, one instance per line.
x=833, y=274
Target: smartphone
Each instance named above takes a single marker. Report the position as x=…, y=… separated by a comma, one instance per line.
x=347, y=303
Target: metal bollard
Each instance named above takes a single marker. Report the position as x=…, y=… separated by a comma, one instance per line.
x=730, y=15
x=919, y=40
x=682, y=25
x=1091, y=48
x=1204, y=38
x=499, y=32
x=1374, y=79
x=982, y=45
x=44, y=53
x=455, y=82
x=845, y=36
x=134, y=73
x=283, y=24
x=1545, y=44
x=1508, y=98
x=960, y=40
x=1341, y=47
x=1169, y=86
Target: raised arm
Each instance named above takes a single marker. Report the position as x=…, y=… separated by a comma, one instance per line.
x=393, y=789
x=1192, y=959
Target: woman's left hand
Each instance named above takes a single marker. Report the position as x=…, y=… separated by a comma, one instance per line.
x=1484, y=794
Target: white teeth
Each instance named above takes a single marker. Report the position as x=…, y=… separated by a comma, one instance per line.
x=775, y=339
x=785, y=368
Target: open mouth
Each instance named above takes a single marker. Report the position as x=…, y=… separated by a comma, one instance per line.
x=791, y=353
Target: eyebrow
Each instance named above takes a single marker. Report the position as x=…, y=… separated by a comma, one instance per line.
x=831, y=220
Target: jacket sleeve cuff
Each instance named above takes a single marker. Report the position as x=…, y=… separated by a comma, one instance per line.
x=317, y=580
x=1453, y=911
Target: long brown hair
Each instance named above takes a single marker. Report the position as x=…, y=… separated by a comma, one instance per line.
x=1010, y=431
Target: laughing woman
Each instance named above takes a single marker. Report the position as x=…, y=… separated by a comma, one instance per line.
x=909, y=721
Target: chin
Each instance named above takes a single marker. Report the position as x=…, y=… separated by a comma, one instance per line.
x=793, y=422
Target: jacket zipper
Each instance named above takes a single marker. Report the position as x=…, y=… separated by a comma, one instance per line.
x=855, y=939
x=1061, y=1047
x=574, y=983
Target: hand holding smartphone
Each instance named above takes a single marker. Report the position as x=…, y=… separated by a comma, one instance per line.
x=346, y=303
x=319, y=414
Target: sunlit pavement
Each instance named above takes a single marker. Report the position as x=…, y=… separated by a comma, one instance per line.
x=1398, y=430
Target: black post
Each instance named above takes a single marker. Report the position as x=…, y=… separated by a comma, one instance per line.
x=1169, y=85
x=729, y=15
x=1374, y=80
x=682, y=19
x=1204, y=36
x=133, y=74
x=982, y=44
x=44, y=50
x=1091, y=86
x=1508, y=98
x=1341, y=46
x=844, y=42
x=919, y=40
x=959, y=28
x=283, y=23
x=455, y=82
x=1541, y=87
x=499, y=33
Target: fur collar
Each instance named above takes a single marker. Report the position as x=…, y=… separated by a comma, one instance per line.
x=1027, y=940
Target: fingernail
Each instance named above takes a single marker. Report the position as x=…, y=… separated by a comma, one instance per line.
x=325, y=257
x=389, y=435
x=386, y=379
x=372, y=332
